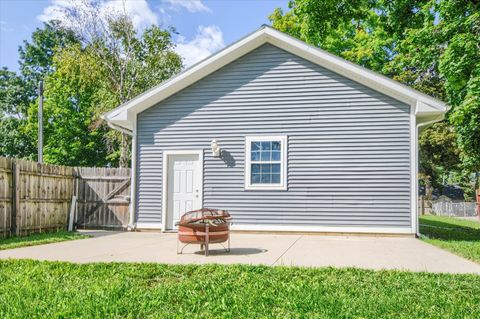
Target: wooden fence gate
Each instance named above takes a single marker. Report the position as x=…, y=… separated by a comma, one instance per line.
x=102, y=197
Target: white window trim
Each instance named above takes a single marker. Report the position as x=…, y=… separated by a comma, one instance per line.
x=283, y=163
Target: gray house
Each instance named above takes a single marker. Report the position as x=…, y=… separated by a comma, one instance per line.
x=285, y=136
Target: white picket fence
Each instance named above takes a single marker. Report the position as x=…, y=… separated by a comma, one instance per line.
x=454, y=209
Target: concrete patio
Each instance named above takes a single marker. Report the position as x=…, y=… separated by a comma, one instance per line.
x=266, y=249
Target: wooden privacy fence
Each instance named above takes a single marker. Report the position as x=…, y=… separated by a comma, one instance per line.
x=41, y=197
x=33, y=197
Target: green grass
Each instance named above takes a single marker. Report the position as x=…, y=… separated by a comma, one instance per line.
x=459, y=236
x=38, y=239
x=33, y=289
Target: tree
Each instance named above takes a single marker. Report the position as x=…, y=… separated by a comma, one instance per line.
x=13, y=108
x=19, y=92
x=431, y=45
x=109, y=64
x=36, y=56
x=132, y=62
x=438, y=155
x=447, y=48
x=72, y=93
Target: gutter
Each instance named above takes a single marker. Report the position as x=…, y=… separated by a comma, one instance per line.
x=119, y=128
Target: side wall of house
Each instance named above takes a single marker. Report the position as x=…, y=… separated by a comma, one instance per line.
x=348, y=145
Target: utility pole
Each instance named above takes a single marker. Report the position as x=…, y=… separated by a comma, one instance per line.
x=40, y=122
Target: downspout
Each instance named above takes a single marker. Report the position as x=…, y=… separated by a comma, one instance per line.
x=131, y=224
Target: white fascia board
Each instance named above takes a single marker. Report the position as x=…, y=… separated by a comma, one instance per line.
x=124, y=114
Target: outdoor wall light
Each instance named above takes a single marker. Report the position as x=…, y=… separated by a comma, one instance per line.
x=215, y=149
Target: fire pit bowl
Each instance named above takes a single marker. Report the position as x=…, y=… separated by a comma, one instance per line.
x=204, y=226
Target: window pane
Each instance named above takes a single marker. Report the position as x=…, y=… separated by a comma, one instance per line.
x=276, y=145
x=266, y=146
x=255, y=178
x=265, y=179
x=266, y=168
x=255, y=146
x=256, y=168
x=265, y=156
x=275, y=178
x=276, y=168
x=275, y=155
x=255, y=156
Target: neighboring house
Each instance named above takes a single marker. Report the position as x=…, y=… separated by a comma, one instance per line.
x=308, y=141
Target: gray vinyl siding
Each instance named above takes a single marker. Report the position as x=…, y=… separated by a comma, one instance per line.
x=348, y=145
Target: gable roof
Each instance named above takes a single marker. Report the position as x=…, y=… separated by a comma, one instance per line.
x=427, y=108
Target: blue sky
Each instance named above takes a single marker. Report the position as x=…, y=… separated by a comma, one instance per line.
x=204, y=26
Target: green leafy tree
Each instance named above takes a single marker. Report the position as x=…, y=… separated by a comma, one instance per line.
x=19, y=91
x=14, y=141
x=438, y=155
x=133, y=62
x=112, y=63
x=72, y=93
x=36, y=55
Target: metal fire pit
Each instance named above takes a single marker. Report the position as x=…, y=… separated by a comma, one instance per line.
x=204, y=227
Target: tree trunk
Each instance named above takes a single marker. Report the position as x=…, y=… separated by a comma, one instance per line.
x=124, y=145
x=428, y=189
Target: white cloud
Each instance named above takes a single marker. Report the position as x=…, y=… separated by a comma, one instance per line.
x=208, y=40
x=139, y=10
x=190, y=5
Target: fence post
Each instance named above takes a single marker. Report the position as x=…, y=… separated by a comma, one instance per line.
x=14, y=227
x=71, y=217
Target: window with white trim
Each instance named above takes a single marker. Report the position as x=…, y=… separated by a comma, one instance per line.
x=265, y=162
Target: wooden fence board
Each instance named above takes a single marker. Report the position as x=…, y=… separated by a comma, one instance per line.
x=5, y=196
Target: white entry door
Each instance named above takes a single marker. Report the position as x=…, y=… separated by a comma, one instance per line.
x=184, y=186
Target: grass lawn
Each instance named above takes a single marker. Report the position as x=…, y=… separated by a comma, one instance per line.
x=459, y=236
x=38, y=239
x=33, y=289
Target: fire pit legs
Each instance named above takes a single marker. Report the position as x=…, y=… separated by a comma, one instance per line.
x=207, y=238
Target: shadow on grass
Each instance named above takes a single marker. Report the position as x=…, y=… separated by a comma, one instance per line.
x=446, y=231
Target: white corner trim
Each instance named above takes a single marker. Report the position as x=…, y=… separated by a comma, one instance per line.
x=413, y=170
x=323, y=229
x=166, y=155
x=283, y=166
x=133, y=176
